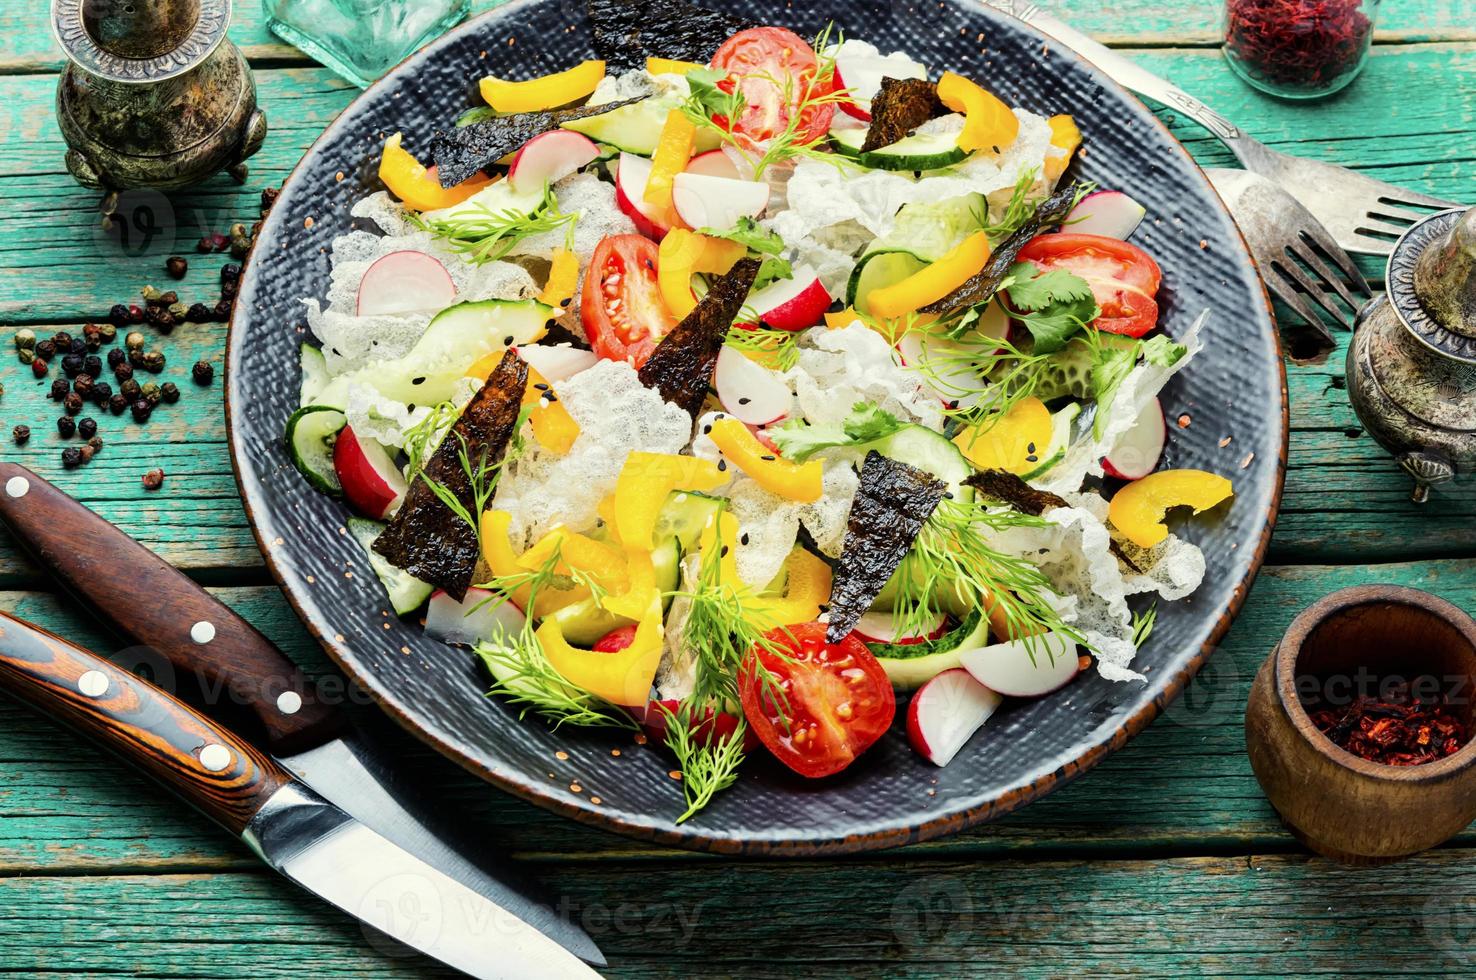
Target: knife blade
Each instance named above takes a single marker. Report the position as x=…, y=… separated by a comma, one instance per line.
x=306, y=838
x=241, y=674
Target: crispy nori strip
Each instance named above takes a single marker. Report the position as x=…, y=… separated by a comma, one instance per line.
x=627, y=31
x=425, y=537
x=902, y=105
x=681, y=366
x=979, y=287
x=892, y=503
x=1008, y=488
x=465, y=151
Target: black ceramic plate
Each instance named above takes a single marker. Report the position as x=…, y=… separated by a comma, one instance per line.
x=1236, y=388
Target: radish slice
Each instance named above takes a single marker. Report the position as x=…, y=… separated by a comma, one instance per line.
x=1009, y=669
x=860, y=68
x=946, y=712
x=549, y=157
x=750, y=392
x=631, y=174
x=794, y=303
x=704, y=201
x=946, y=366
x=473, y=619
x=371, y=481
x=557, y=361
x=405, y=282
x=1139, y=449
x=1108, y=213
x=880, y=627
x=714, y=163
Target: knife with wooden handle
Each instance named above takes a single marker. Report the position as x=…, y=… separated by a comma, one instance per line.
x=306, y=838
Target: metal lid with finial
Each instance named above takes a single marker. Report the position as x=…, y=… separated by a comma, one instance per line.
x=1432, y=282
x=139, y=41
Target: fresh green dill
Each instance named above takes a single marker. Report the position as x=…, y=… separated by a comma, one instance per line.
x=776, y=348
x=481, y=478
x=708, y=762
x=422, y=438
x=1018, y=210
x=522, y=674
x=483, y=235
x=1143, y=624
x=982, y=378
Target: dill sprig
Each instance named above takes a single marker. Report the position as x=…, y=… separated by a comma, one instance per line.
x=422, y=438
x=483, y=235
x=708, y=763
x=981, y=379
x=778, y=349
x=1017, y=210
x=481, y=476
x=1143, y=624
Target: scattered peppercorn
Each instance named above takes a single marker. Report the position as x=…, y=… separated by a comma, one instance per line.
x=169, y=298
x=129, y=389
x=123, y=371
x=269, y=198
x=83, y=385
x=153, y=479
x=169, y=392
x=202, y=372
x=86, y=452
x=134, y=340
x=152, y=314
x=199, y=313
x=223, y=310
x=38, y=367
x=153, y=361
x=26, y=355
x=92, y=364
x=141, y=410
x=176, y=266
x=87, y=427
x=151, y=295
x=45, y=350
x=25, y=338
x=78, y=346
x=21, y=434
x=117, y=404
x=91, y=336
x=62, y=341
x=101, y=392
x=135, y=315
x=118, y=314
x=71, y=457
x=59, y=389
x=66, y=426
x=230, y=274
x=166, y=322
x=72, y=365
x=151, y=394
x=72, y=403
x=204, y=245
x=96, y=443
x=116, y=356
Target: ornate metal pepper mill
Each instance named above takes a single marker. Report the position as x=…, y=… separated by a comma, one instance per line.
x=155, y=94
x=1412, y=363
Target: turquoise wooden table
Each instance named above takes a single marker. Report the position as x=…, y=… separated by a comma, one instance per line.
x=1166, y=859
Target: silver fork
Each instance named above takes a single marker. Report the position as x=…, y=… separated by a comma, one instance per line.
x=1286, y=241
x=1363, y=214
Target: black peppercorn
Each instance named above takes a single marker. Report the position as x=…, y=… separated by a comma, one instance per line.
x=72, y=403
x=169, y=392
x=129, y=389
x=59, y=389
x=21, y=434
x=117, y=404
x=169, y=298
x=165, y=322
x=153, y=479
x=230, y=273
x=202, y=372
x=38, y=367
x=83, y=385
x=77, y=346
x=199, y=313
x=101, y=392
x=87, y=427
x=71, y=457
x=45, y=350
x=62, y=341
x=151, y=394
x=204, y=245
x=176, y=266
x=72, y=365
x=141, y=410
x=118, y=314
x=269, y=198
x=151, y=361
x=116, y=357
x=124, y=371
x=152, y=314
x=92, y=364
x=66, y=426
x=223, y=310
x=135, y=357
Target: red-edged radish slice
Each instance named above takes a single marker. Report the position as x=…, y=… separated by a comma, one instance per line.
x=480, y=616
x=794, y=303
x=880, y=627
x=750, y=392
x=1109, y=213
x=714, y=163
x=549, y=157
x=631, y=174
x=405, y=282
x=946, y=712
x=860, y=68
x=371, y=481
x=1010, y=668
x=704, y=201
x=557, y=362
x=946, y=366
x=1139, y=449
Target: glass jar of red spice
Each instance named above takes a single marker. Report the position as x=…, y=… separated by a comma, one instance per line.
x=1298, y=49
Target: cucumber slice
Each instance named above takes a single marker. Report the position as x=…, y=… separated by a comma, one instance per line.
x=310, y=434
x=847, y=142
x=923, y=151
x=877, y=269
x=636, y=128
x=314, y=374
x=494, y=199
x=1061, y=423
x=684, y=516
x=910, y=665
x=334, y=394
x=929, y=231
x=917, y=445
x=584, y=623
x=1068, y=372
x=406, y=592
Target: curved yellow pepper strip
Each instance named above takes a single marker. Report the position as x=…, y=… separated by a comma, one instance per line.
x=415, y=186
x=988, y=123
x=579, y=553
x=645, y=481
x=1065, y=138
x=623, y=677
x=807, y=587
x=1139, y=508
x=1015, y=442
x=553, y=426
x=932, y=282
x=683, y=253
x=548, y=92
x=497, y=552
x=673, y=152
x=670, y=66
x=795, y=481
x=563, y=280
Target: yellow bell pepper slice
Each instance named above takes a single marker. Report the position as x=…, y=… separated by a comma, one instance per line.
x=1065, y=138
x=670, y=66
x=932, y=282
x=641, y=590
x=553, y=426
x=807, y=587
x=988, y=123
x=497, y=552
x=547, y=92
x=795, y=481
x=623, y=677
x=683, y=253
x=841, y=319
x=563, y=280
x=673, y=152
x=645, y=481
x=579, y=553
x=415, y=186
x=1139, y=508
x=720, y=538
x=1014, y=442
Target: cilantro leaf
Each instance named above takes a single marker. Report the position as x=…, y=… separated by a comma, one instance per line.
x=708, y=98
x=1054, y=305
x=1161, y=351
x=764, y=243
x=866, y=423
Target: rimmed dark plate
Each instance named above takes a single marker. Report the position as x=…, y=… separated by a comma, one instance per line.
x=1236, y=388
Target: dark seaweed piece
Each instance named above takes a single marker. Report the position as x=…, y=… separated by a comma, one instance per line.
x=626, y=32
x=681, y=366
x=466, y=151
x=902, y=105
x=892, y=503
x=428, y=539
x=1008, y=488
x=979, y=287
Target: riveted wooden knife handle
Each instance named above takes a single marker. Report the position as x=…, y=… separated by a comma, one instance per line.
x=211, y=768
x=150, y=603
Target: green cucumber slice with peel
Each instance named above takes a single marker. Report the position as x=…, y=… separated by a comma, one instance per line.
x=922, y=151
x=636, y=128
x=314, y=374
x=911, y=665
x=1061, y=424
x=310, y=434
x=406, y=592
x=877, y=269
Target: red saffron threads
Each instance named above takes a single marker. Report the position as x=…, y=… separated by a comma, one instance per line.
x=1395, y=730
x=1297, y=43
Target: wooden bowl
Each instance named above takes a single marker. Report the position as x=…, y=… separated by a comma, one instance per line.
x=1346, y=644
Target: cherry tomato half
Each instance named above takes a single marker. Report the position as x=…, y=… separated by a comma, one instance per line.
x=622, y=310
x=1123, y=277
x=839, y=699
x=775, y=71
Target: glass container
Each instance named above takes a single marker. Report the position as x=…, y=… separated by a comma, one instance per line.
x=361, y=39
x=1298, y=49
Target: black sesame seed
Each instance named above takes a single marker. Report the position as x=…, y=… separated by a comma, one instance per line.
x=744, y=401
x=767, y=457
x=722, y=465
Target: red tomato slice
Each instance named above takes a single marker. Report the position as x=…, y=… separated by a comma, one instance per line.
x=616, y=640
x=622, y=310
x=775, y=70
x=1123, y=277
x=839, y=700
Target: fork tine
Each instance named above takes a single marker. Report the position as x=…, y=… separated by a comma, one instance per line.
x=1409, y=198
x=1371, y=222
x=1313, y=261
x=1366, y=244
x=1323, y=242
x=1290, y=270
x=1390, y=213
x=1299, y=305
